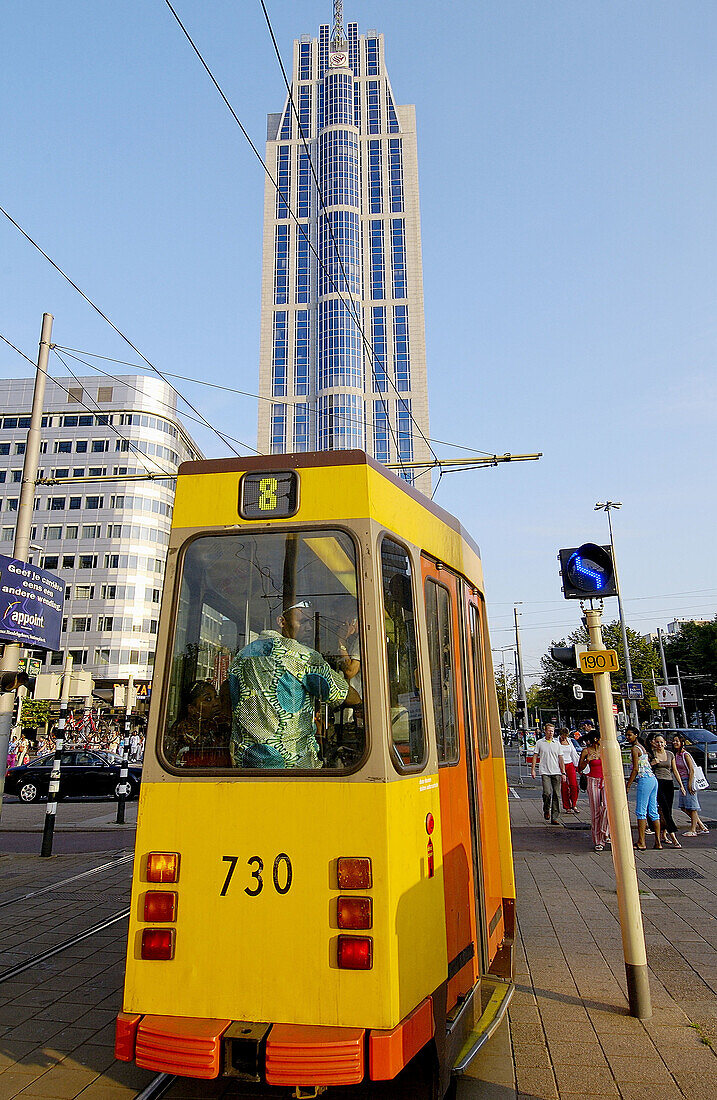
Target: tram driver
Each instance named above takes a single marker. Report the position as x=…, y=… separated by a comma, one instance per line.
x=275, y=684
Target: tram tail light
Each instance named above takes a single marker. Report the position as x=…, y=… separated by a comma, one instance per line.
x=126, y=1035
x=158, y=943
x=160, y=905
x=355, y=952
x=163, y=867
x=354, y=873
x=355, y=913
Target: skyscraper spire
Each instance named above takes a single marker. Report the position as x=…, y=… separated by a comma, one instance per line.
x=338, y=36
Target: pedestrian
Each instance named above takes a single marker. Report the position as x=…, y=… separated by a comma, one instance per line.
x=571, y=759
x=591, y=760
x=688, y=802
x=548, y=756
x=646, y=786
x=665, y=770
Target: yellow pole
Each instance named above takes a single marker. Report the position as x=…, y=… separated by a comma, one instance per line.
x=623, y=856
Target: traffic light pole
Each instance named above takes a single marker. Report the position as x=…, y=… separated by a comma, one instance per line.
x=11, y=653
x=53, y=793
x=521, y=680
x=623, y=856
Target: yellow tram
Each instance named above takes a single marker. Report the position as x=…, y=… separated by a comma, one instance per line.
x=323, y=883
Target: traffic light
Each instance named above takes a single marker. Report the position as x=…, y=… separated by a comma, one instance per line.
x=568, y=655
x=587, y=571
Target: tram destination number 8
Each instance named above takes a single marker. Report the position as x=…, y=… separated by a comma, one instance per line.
x=269, y=496
x=282, y=874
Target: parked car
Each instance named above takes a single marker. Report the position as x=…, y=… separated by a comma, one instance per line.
x=697, y=742
x=81, y=772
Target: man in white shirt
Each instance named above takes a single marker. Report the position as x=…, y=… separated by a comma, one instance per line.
x=552, y=769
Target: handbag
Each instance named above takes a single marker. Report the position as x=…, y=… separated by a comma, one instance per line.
x=699, y=780
x=583, y=782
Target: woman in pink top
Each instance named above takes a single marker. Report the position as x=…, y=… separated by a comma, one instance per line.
x=591, y=759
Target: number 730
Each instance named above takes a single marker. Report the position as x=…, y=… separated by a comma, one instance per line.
x=282, y=869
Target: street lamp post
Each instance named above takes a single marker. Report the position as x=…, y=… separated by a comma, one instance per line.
x=607, y=506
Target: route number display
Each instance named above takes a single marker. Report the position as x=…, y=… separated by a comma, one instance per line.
x=599, y=660
x=269, y=496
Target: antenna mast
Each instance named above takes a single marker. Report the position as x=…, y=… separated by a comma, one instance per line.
x=338, y=37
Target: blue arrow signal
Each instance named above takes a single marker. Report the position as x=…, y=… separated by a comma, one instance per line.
x=589, y=572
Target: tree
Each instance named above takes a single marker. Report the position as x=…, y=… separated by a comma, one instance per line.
x=506, y=698
x=694, y=651
x=556, y=686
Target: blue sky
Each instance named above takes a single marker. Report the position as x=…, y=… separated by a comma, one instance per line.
x=568, y=170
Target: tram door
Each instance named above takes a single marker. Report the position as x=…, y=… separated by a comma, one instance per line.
x=456, y=779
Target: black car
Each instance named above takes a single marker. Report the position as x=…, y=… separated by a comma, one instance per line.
x=81, y=772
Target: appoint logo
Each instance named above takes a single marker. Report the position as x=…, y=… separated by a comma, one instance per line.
x=23, y=619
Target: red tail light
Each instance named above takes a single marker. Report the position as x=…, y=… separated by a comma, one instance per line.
x=126, y=1036
x=355, y=952
x=160, y=905
x=162, y=867
x=431, y=869
x=354, y=873
x=158, y=943
x=355, y=912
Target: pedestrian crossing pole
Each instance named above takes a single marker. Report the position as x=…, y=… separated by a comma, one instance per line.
x=54, y=790
x=124, y=752
x=623, y=856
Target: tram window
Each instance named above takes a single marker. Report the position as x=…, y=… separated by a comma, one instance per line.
x=441, y=661
x=401, y=656
x=266, y=668
x=479, y=681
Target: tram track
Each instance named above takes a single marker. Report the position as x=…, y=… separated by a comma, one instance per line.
x=35, y=960
x=158, y=1086
x=65, y=881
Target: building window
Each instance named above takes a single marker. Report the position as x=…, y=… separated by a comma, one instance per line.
x=339, y=105
x=81, y=446
x=75, y=393
x=280, y=354
x=80, y=623
x=380, y=432
x=340, y=426
x=375, y=178
x=71, y=531
x=377, y=267
x=91, y=531
x=301, y=427
x=16, y=476
x=8, y=533
x=108, y=591
x=79, y=656
x=75, y=503
x=372, y=56
x=281, y=265
x=354, y=58
x=104, y=393
x=63, y=446
x=278, y=429
x=398, y=257
x=104, y=622
x=68, y=561
x=302, y=264
x=4, y=448
x=102, y=656
x=52, y=534
x=395, y=174
x=393, y=126
x=20, y=448
x=61, y=472
x=401, y=353
x=286, y=123
x=339, y=253
x=340, y=347
x=94, y=502
x=11, y=504
x=301, y=353
x=378, y=348
x=404, y=433
x=56, y=504
x=50, y=561
x=305, y=112
x=339, y=168
x=100, y=445
x=87, y=561
x=373, y=97
x=84, y=591
x=303, y=208
x=283, y=179
x=305, y=61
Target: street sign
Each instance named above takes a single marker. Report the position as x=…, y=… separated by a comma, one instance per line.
x=615, y=708
x=31, y=602
x=599, y=660
x=635, y=690
x=31, y=665
x=667, y=695
x=577, y=691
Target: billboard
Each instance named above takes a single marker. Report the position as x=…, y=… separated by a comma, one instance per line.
x=31, y=602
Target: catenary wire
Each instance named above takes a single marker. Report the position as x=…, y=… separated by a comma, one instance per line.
x=319, y=190
x=113, y=325
x=275, y=184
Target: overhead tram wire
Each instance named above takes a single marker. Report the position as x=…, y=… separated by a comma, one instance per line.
x=355, y=313
x=450, y=465
x=275, y=184
x=113, y=326
x=73, y=354
x=153, y=476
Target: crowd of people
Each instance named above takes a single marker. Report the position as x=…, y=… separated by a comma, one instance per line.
x=572, y=760
x=22, y=749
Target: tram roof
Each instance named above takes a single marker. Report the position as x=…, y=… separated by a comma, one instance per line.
x=313, y=459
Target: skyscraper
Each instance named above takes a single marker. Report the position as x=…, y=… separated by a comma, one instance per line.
x=342, y=358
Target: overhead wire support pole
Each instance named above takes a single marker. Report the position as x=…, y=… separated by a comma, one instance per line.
x=21, y=547
x=124, y=752
x=53, y=793
x=623, y=855
x=521, y=678
x=607, y=507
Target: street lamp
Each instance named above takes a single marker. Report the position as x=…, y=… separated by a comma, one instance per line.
x=607, y=506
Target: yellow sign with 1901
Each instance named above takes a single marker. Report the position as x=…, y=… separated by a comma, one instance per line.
x=599, y=660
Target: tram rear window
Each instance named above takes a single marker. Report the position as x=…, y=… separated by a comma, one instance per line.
x=266, y=667
x=407, y=739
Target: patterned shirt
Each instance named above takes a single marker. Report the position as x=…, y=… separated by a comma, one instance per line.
x=274, y=683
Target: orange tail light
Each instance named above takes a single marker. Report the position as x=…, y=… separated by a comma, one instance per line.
x=160, y=905
x=354, y=873
x=163, y=867
x=355, y=912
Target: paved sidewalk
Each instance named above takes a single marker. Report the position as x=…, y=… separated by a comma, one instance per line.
x=569, y=1033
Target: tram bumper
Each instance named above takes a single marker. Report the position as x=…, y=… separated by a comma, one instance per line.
x=293, y=1055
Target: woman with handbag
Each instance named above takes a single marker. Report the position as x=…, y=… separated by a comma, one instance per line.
x=665, y=771
x=689, y=803
x=591, y=758
x=570, y=779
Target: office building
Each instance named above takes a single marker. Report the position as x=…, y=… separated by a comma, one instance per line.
x=342, y=355
x=102, y=525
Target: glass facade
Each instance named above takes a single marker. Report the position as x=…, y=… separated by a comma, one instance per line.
x=340, y=422
x=378, y=348
x=398, y=257
x=401, y=357
x=339, y=168
x=339, y=253
x=373, y=106
x=302, y=264
x=283, y=179
x=301, y=427
x=339, y=347
x=395, y=174
x=281, y=265
x=279, y=363
x=377, y=265
x=301, y=353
